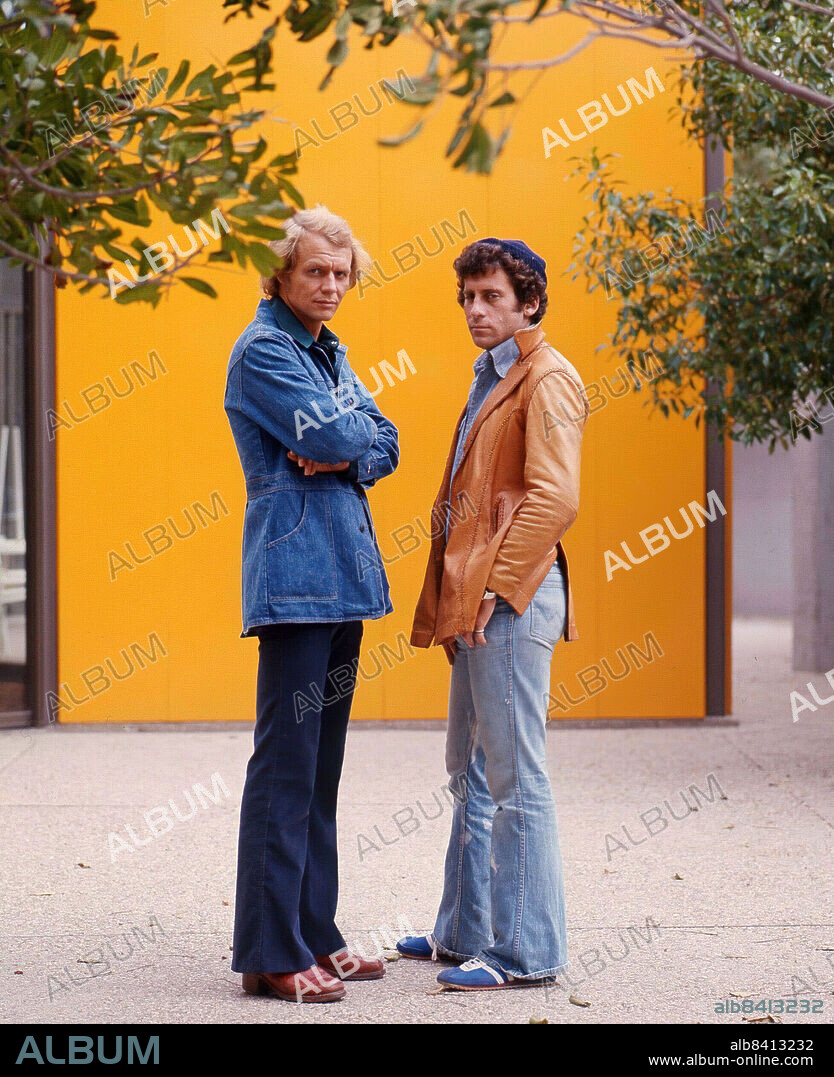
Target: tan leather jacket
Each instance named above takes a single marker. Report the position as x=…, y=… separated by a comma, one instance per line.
x=514, y=495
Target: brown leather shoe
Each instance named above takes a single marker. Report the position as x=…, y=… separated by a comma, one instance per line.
x=312, y=985
x=348, y=966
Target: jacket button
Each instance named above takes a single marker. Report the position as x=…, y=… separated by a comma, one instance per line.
x=361, y=527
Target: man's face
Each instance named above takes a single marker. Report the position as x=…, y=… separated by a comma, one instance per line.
x=492, y=311
x=316, y=284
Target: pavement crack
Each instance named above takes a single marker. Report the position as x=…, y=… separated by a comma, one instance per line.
x=797, y=800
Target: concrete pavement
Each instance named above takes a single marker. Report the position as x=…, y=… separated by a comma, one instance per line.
x=697, y=862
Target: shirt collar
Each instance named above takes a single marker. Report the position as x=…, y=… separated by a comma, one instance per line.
x=290, y=324
x=503, y=357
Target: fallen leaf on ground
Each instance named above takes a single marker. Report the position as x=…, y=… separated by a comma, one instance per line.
x=578, y=1001
x=80, y=865
x=538, y=1020
x=676, y=876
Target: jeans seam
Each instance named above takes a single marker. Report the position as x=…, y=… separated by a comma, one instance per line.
x=462, y=838
x=519, y=800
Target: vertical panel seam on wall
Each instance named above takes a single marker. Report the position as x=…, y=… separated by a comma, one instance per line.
x=41, y=535
x=718, y=635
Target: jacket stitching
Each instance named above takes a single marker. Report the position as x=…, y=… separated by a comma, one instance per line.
x=293, y=352
x=501, y=512
x=571, y=379
x=487, y=471
x=564, y=367
x=329, y=596
x=488, y=468
x=564, y=370
x=296, y=529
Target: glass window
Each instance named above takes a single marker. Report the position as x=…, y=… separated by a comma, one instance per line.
x=12, y=486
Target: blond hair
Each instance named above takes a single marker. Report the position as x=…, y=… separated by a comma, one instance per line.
x=321, y=221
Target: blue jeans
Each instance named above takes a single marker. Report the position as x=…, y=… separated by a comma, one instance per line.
x=503, y=892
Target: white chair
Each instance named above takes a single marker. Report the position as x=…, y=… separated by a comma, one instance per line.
x=12, y=589
x=11, y=453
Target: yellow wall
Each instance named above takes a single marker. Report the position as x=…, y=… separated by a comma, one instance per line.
x=150, y=455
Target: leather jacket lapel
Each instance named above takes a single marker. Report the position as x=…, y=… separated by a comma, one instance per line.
x=508, y=384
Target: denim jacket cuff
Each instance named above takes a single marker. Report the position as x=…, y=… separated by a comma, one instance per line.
x=364, y=468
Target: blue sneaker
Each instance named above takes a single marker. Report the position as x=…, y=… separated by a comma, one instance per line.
x=421, y=948
x=476, y=975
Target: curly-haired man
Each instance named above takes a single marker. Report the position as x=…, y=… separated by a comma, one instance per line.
x=497, y=597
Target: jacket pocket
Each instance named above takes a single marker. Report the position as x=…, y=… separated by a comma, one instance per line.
x=301, y=562
x=287, y=512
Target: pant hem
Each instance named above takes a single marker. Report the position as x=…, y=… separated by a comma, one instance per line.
x=452, y=953
x=541, y=975
x=271, y=972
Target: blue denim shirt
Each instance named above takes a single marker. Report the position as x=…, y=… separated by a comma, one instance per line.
x=309, y=549
x=490, y=367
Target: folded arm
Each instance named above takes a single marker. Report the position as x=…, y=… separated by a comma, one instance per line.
x=382, y=457
x=280, y=395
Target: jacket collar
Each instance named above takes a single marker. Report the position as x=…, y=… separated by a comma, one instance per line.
x=278, y=313
x=526, y=340
x=290, y=324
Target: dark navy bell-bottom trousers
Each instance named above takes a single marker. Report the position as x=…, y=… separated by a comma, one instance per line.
x=287, y=865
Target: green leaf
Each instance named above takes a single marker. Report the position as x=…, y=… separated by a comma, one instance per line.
x=131, y=212
x=262, y=231
x=398, y=140
x=179, y=78
x=337, y=52
x=199, y=286
x=421, y=91
x=262, y=258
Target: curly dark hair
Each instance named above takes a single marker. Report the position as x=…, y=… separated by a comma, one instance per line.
x=478, y=258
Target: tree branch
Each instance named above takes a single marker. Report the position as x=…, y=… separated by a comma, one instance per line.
x=532, y=65
x=682, y=30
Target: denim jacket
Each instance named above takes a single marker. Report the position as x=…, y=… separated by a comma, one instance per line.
x=309, y=548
